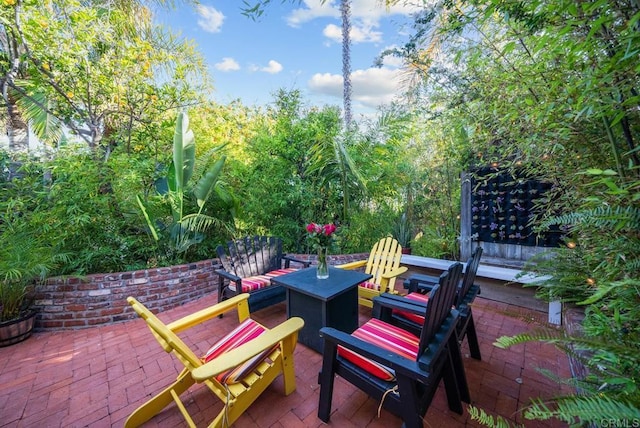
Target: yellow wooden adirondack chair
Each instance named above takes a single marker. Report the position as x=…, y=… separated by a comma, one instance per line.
x=384, y=264
x=237, y=369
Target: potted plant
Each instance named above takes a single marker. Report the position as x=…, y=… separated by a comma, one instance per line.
x=24, y=259
x=403, y=233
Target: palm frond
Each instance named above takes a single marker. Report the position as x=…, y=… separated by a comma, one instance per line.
x=199, y=223
x=35, y=108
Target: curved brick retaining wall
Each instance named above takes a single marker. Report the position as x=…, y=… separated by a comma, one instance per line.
x=80, y=302
x=77, y=302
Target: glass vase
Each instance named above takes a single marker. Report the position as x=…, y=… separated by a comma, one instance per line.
x=322, y=270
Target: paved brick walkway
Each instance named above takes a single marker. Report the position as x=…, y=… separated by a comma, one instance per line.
x=96, y=377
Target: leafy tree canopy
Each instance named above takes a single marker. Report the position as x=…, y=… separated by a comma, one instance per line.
x=97, y=69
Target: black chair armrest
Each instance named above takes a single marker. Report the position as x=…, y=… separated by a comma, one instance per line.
x=384, y=305
x=229, y=276
x=288, y=259
x=400, y=365
x=422, y=283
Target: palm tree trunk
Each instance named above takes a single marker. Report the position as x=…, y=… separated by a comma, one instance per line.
x=17, y=129
x=345, y=9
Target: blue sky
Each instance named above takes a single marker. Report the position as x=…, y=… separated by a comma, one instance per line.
x=295, y=46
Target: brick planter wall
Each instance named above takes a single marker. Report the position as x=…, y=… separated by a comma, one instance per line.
x=92, y=300
x=79, y=302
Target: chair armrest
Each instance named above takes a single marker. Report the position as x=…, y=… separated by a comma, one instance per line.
x=395, y=272
x=400, y=365
x=229, y=276
x=289, y=259
x=393, y=300
x=387, y=302
x=242, y=353
x=353, y=265
x=422, y=283
x=210, y=312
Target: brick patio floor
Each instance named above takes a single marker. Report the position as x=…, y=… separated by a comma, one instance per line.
x=96, y=377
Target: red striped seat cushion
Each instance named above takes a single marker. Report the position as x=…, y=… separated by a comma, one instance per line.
x=257, y=282
x=246, y=331
x=370, y=285
x=417, y=297
x=386, y=336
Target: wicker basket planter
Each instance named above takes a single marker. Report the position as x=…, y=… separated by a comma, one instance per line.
x=16, y=330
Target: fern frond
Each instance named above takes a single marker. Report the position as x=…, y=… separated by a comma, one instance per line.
x=613, y=218
x=568, y=342
x=549, y=336
x=634, y=264
x=483, y=418
x=595, y=409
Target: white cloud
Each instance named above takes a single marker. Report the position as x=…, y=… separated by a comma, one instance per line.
x=227, y=64
x=391, y=60
x=371, y=87
x=210, y=18
x=274, y=67
x=359, y=34
x=365, y=18
x=313, y=9
x=366, y=11
x=333, y=32
x=326, y=83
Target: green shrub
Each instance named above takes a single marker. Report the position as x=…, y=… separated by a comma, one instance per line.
x=437, y=242
x=365, y=228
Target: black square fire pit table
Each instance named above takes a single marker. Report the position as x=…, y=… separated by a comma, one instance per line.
x=331, y=302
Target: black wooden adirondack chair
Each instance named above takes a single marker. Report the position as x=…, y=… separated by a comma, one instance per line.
x=420, y=285
x=248, y=265
x=404, y=383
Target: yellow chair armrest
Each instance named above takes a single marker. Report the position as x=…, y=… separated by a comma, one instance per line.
x=353, y=265
x=239, y=355
x=395, y=272
x=210, y=312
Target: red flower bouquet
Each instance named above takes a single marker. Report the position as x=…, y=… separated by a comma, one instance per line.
x=321, y=235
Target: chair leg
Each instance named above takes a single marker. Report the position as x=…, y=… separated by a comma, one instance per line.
x=152, y=407
x=414, y=407
x=472, y=338
x=450, y=379
x=288, y=371
x=326, y=378
x=458, y=370
x=220, y=291
x=220, y=288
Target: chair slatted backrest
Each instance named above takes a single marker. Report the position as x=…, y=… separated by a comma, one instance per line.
x=440, y=304
x=251, y=256
x=384, y=257
x=469, y=275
